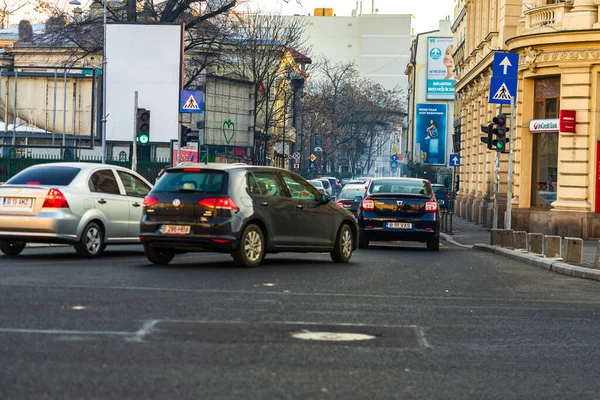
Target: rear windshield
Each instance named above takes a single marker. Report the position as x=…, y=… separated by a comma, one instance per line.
x=400, y=186
x=51, y=176
x=201, y=181
x=325, y=183
x=351, y=193
x=316, y=183
x=440, y=189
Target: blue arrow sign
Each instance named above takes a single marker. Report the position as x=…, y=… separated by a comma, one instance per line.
x=394, y=157
x=506, y=65
x=502, y=90
x=455, y=160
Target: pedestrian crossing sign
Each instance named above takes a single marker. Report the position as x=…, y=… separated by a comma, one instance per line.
x=502, y=90
x=190, y=101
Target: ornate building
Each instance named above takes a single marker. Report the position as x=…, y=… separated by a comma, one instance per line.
x=556, y=184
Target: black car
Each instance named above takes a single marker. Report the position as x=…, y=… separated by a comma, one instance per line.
x=243, y=210
x=442, y=196
x=348, y=197
x=399, y=209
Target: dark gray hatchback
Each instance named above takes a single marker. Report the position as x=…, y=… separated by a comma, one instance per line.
x=243, y=210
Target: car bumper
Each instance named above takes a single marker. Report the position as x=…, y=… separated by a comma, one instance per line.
x=46, y=227
x=217, y=237
x=421, y=230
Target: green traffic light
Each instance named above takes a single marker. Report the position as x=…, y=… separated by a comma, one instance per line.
x=143, y=139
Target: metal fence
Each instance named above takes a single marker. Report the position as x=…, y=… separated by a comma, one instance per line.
x=15, y=163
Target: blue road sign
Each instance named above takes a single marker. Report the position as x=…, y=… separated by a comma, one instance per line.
x=506, y=65
x=394, y=164
x=455, y=160
x=313, y=165
x=394, y=157
x=190, y=101
x=502, y=90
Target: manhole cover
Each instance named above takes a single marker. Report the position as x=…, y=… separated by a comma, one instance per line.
x=332, y=336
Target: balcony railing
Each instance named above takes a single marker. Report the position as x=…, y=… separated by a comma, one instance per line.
x=550, y=15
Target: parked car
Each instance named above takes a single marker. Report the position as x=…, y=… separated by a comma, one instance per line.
x=399, y=209
x=349, y=195
x=442, y=195
x=246, y=211
x=83, y=204
x=318, y=185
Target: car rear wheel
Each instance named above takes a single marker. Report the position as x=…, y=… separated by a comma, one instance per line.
x=91, y=243
x=344, y=245
x=363, y=240
x=158, y=256
x=12, y=248
x=251, y=249
x=433, y=243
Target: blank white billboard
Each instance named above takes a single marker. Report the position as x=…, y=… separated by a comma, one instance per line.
x=146, y=59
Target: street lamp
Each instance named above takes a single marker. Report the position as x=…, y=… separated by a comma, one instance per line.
x=104, y=62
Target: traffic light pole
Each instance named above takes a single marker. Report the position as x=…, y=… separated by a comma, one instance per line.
x=496, y=184
x=134, y=146
x=509, y=190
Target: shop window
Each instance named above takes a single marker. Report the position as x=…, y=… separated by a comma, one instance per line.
x=545, y=145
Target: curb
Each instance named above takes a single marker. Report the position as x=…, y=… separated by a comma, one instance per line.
x=549, y=264
x=450, y=239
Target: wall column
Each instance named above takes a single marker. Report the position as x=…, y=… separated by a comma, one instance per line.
x=583, y=15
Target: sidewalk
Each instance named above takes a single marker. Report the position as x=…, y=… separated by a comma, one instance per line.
x=469, y=233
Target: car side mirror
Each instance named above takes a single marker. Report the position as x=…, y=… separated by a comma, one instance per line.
x=358, y=199
x=324, y=199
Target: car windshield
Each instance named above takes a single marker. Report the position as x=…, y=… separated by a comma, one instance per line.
x=400, y=186
x=351, y=193
x=191, y=180
x=317, y=184
x=47, y=175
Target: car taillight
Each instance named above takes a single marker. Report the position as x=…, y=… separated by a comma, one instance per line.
x=321, y=191
x=447, y=196
x=431, y=206
x=55, y=199
x=340, y=204
x=221, y=203
x=368, y=204
x=149, y=201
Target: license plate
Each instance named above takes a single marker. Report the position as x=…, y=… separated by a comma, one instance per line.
x=175, y=229
x=17, y=202
x=399, y=225
x=441, y=202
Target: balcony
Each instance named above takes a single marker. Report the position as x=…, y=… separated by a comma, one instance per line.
x=551, y=15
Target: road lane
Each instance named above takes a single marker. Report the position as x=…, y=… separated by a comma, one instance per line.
x=453, y=324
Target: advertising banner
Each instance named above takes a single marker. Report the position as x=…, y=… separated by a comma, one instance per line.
x=431, y=133
x=440, y=69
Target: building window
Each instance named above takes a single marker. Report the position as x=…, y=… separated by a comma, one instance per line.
x=545, y=145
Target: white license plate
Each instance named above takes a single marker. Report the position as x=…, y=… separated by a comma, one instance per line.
x=175, y=230
x=17, y=202
x=399, y=225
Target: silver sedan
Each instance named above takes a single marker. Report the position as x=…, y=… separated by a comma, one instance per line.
x=83, y=204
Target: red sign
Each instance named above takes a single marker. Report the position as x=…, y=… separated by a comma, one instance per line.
x=567, y=121
x=597, y=176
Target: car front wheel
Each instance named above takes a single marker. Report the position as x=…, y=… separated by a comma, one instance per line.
x=344, y=245
x=158, y=256
x=251, y=248
x=12, y=248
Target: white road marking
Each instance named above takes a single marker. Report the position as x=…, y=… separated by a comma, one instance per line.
x=65, y=332
x=331, y=336
x=146, y=329
x=423, y=342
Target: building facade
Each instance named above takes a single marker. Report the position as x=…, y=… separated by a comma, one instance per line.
x=556, y=184
x=428, y=142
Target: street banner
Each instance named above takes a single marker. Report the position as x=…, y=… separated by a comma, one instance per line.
x=440, y=69
x=431, y=133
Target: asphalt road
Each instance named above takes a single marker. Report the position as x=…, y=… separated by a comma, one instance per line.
x=449, y=325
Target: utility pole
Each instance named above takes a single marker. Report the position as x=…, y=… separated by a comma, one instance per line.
x=496, y=184
x=134, y=146
x=509, y=190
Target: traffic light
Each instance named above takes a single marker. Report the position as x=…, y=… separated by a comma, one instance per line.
x=185, y=135
x=501, y=129
x=489, y=129
x=143, y=127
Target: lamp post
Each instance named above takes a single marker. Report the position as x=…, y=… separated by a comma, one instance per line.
x=104, y=62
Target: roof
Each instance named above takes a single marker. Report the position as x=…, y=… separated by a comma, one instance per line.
x=299, y=57
x=80, y=165
x=12, y=33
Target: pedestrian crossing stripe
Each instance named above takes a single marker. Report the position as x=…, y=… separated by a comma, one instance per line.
x=191, y=104
x=502, y=93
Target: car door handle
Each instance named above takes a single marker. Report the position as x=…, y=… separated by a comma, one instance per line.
x=102, y=201
x=136, y=204
x=300, y=206
x=265, y=204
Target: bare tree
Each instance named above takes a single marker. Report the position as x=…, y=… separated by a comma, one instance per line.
x=9, y=7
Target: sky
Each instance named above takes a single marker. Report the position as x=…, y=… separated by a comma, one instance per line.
x=427, y=12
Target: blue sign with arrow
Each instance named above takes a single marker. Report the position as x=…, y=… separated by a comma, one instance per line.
x=506, y=65
x=455, y=160
x=394, y=157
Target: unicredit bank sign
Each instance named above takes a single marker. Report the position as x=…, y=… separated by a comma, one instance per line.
x=543, y=125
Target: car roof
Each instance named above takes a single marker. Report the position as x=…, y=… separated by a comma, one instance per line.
x=85, y=166
x=224, y=166
x=400, y=178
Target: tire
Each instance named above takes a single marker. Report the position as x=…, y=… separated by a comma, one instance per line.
x=433, y=243
x=251, y=249
x=363, y=240
x=91, y=243
x=344, y=245
x=12, y=248
x=158, y=256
